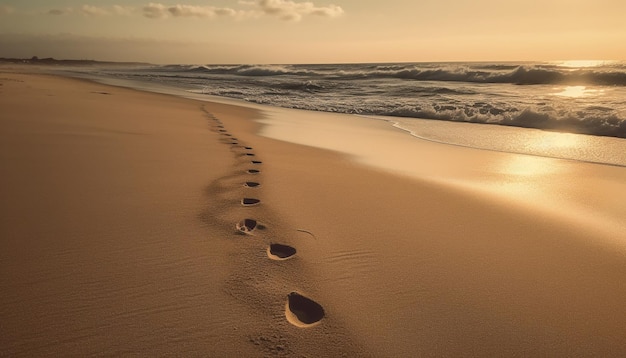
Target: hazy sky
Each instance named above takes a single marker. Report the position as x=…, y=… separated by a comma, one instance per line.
x=295, y=31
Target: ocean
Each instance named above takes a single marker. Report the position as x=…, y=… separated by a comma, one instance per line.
x=434, y=101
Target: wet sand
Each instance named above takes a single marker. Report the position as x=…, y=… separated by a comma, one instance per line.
x=143, y=224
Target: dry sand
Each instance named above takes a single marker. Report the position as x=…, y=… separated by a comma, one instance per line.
x=119, y=236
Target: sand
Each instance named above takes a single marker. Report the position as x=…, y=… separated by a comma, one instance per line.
x=142, y=224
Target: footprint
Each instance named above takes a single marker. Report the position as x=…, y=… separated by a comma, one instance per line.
x=251, y=184
x=223, y=130
x=247, y=226
x=250, y=154
x=248, y=148
x=253, y=171
x=302, y=311
x=256, y=162
x=280, y=252
x=250, y=201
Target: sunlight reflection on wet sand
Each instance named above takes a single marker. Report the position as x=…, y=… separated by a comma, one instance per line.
x=528, y=166
x=580, y=193
x=510, y=139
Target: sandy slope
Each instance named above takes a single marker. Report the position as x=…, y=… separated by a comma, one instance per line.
x=444, y=266
x=112, y=237
x=118, y=226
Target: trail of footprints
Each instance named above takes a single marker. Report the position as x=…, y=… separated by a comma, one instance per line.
x=300, y=311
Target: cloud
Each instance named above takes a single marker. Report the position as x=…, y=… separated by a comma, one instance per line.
x=160, y=11
x=191, y=11
x=294, y=11
x=284, y=9
x=155, y=11
x=288, y=10
x=93, y=10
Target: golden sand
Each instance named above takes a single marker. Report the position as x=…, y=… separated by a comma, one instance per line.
x=125, y=230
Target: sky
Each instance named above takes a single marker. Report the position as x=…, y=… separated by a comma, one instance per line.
x=316, y=31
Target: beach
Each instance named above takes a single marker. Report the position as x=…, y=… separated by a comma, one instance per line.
x=143, y=224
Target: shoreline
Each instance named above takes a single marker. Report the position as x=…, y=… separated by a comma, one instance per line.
x=416, y=262
x=619, y=141
x=407, y=124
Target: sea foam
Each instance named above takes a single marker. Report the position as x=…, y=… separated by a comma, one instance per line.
x=547, y=96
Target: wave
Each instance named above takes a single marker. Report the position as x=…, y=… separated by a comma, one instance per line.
x=594, y=122
x=438, y=91
x=527, y=74
x=251, y=70
x=521, y=75
x=306, y=86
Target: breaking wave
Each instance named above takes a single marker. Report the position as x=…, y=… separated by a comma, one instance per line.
x=524, y=74
x=532, y=95
x=592, y=122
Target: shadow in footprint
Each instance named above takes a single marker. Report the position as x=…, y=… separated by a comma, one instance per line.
x=248, y=226
x=280, y=252
x=253, y=171
x=250, y=201
x=248, y=148
x=302, y=311
x=251, y=184
x=256, y=162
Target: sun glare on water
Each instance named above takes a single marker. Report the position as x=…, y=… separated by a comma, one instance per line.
x=524, y=175
x=577, y=91
x=526, y=165
x=557, y=140
x=547, y=143
x=583, y=63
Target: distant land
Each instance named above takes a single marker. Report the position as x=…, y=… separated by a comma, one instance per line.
x=52, y=61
